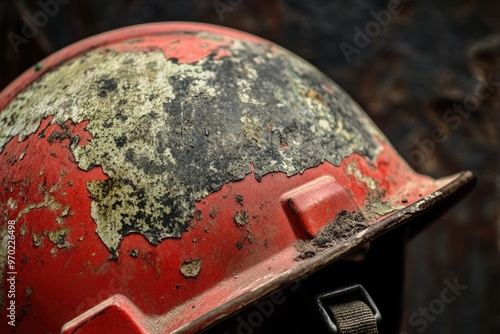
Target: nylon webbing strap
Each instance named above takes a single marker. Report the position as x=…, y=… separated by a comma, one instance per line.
x=354, y=317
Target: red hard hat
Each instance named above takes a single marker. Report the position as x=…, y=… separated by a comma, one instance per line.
x=159, y=178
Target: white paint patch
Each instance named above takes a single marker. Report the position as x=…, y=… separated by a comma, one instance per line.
x=353, y=169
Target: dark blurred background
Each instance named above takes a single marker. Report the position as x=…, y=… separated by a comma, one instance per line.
x=407, y=70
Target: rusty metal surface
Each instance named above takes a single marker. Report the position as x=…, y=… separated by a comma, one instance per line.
x=428, y=58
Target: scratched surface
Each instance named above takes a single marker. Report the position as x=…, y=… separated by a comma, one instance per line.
x=430, y=58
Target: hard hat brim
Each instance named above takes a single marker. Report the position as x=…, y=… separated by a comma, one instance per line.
x=450, y=190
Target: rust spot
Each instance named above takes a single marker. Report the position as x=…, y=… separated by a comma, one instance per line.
x=191, y=268
x=239, y=199
x=251, y=239
x=213, y=212
x=241, y=218
x=134, y=253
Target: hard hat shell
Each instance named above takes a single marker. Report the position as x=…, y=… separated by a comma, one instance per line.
x=160, y=177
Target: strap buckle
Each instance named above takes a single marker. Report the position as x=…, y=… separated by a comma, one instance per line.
x=327, y=302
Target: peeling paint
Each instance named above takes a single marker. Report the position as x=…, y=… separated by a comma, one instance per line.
x=12, y=203
x=353, y=169
x=48, y=202
x=58, y=237
x=381, y=208
x=191, y=268
x=239, y=199
x=64, y=213
x=168, y=133
x=37, y=240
